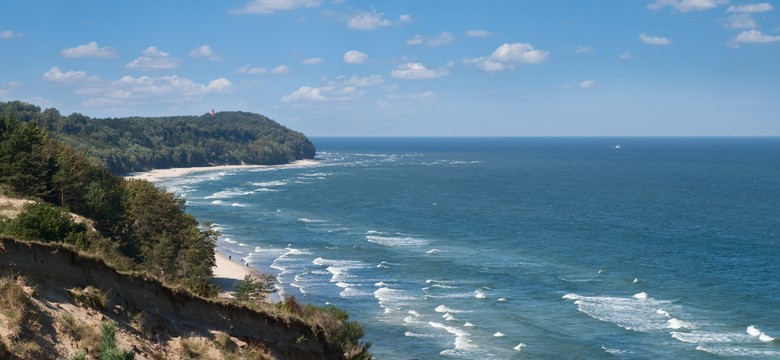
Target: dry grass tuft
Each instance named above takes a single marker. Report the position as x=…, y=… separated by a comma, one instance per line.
x=91, y=297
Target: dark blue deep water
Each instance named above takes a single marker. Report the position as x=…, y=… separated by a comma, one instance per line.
x=526, y=248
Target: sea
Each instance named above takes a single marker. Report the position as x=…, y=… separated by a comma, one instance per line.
x=520, y=248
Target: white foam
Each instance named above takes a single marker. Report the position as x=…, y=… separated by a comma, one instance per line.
x=305, y=220
x=634, y=313
x=227, y=194
x=380, y=284
x=636, y=280
x=270, y=183
x=448, y=317
x=396, y=240
x=501, y=299
x=391, y=299
x=499, y=334
x=753, y=331
x=663, y=313
x=445, y=309
x=217, y=202
x=433, y=251
x=235, y=204
x=479, y=294
x=677, y=324
x=520, y=347
x=708, y=337
x=229, y=240
x=641, y=296
x=612, y=351
x=468, y=324
x=461, y=337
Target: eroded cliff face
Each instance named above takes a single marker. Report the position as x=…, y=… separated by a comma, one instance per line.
x=170, y=314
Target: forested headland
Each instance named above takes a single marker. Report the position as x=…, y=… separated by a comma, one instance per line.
x=133, y=144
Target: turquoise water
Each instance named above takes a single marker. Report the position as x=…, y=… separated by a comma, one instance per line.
x=537, y=248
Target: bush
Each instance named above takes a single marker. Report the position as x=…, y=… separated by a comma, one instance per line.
x=90, y=296
x=252, y=289
x=43, y=222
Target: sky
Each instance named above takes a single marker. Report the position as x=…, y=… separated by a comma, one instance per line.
x=407, y=67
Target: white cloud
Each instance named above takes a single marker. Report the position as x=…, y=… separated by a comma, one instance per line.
x=756, y=37
x=205, y=52
x=254, y=70
x=478, y=33
x=750, y=8
x=686, y=5
x=444, y=38
x=172, y=86
x=654, y=40
x=405, y=18
x=419, y=96
x=324, y=93
x=313, y=61
x=367, y=21
x=506, y=56
x=584, y=49
x=281, y=69
x=626, y=56
x=588, y=84
x=271, y=6
x=219, y=85
x=58, y=76
x=9, y=35
x=91, y=49
x=354, y=57
x=416, y=71
x=520, y=53
x=741, y=21
x=7, y=87
x=371, y=80
x=153, y=59
x=416, y=40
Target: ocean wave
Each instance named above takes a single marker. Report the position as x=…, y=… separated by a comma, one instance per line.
x=636, y=313
x=227, y=194
x=499, y=334
x=236, y=204
x=268, y=184
x=396, y=240
x=446, y=309
x=307, y=220
x=754, y=331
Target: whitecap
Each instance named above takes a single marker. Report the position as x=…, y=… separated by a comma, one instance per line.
x=380, y=284
x=433, y=251
x=677, y=324
x=629, y=313
x=501, y=299
x=663, y=312
x=636, y=280
x=396, y=240
x=480, y=294
x=235, y=204
x=448, y=317
x=499, y=334
x=753, y=331
x=468, y=324
x=305, y=220
x=520, y=347
x=270, y=183
x=641, y=296
x=445, y=309
x=229, y=240
x=461, y=337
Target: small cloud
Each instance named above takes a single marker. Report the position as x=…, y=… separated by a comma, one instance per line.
x=625, y=56
x=588, y=84
x=584, y=49
x=354, y=57
x=218, y=85
x=741, y=21
x=506, y=56
x=154, y=59
x=312, y=61
x=416, y=71
x=405, y=18
x=444, y=38
x=686, y=5
x=281, y=69
x=654, y=40
x=750, y=8
x=322, y=94
x=255, y=70
x=58, y=76
x=755, y=37
x=205, y=52
x=10, y=35
x=271, y=6
x=90, y=50
x=371, y=80
x=368, y=21
x=478, y=33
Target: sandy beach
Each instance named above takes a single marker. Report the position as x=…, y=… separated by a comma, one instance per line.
x=160, y=174
x=228, y=271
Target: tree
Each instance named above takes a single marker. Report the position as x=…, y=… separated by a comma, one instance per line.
x=252, y=289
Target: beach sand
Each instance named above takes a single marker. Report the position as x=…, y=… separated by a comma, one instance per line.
x=228, y=271
x=160, y=174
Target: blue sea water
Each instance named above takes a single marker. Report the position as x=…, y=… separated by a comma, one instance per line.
x=521, y=248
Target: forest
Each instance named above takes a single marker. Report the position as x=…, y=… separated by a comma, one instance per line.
x=132, y=144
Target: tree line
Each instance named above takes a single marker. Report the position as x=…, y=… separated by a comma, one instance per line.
x=131, y=144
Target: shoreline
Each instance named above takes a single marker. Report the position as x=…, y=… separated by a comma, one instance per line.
x=226, y=270
x=161, y=174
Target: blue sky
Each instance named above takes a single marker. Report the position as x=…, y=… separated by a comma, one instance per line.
x=403, y=67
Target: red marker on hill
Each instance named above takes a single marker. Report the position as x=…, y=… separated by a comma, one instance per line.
x=212, y=112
